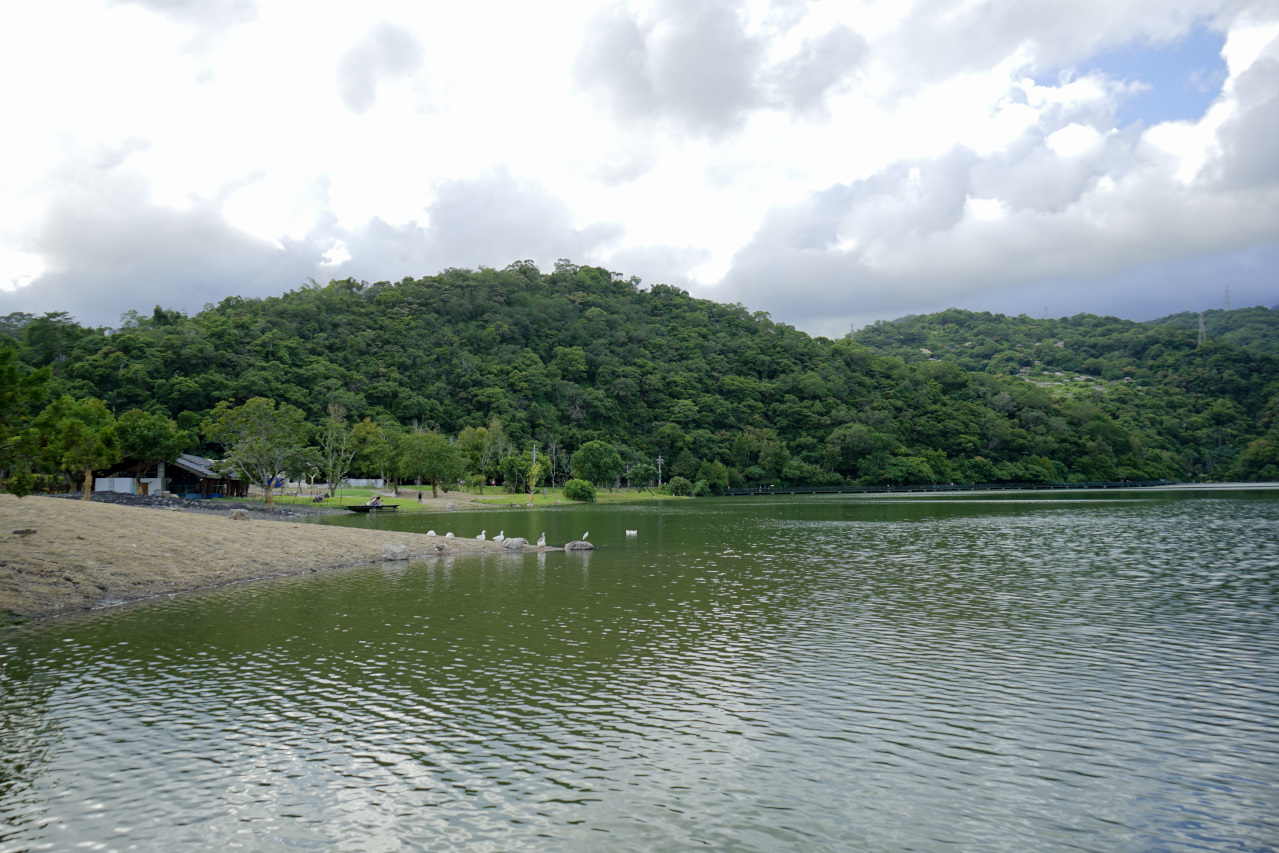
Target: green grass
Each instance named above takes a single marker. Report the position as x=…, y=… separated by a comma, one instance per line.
x=556, y=496
x=350, y=497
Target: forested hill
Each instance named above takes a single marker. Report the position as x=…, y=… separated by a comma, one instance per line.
x=578, y=354
x=1255, y=329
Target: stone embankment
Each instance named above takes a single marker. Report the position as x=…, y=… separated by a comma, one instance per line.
x=59, y=556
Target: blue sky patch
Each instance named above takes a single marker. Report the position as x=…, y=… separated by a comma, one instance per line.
x=1183, y=77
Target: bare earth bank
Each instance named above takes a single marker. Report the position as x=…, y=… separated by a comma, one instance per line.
x=86, y=554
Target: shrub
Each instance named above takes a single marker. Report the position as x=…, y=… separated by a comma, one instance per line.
x=680, y=486
x=579, y=490
x=701, y=489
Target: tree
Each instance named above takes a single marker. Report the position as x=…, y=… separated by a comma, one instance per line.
x=597, y=462
x=149, y=437
x=20, y=392
x=337, y=447
x=78, y=436
x=374, y=448
x=643, y=472
x=714, y=475
x=430, y=456
x=259, y=438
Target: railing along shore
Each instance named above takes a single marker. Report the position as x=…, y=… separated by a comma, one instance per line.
x=942, y=487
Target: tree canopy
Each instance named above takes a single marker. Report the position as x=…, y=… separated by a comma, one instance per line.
x=500, y=360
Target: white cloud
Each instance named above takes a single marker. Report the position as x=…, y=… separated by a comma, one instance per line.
x=820, y=159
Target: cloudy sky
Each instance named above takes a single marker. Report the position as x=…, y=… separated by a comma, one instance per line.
x=832, y=163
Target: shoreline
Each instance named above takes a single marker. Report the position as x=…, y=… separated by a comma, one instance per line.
x=85, y=555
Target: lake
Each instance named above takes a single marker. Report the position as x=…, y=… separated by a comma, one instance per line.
x=1001, y=672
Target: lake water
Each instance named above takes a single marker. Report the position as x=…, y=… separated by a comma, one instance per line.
x=1075, y=671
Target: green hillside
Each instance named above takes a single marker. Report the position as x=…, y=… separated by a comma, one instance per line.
x=581, y=354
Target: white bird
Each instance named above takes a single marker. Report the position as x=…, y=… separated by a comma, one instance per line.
x=541, y=543
x=632, y=533
x=500, y=536
x=430, y=533
x=448, y=535
x=481, y=537
x=584, y=535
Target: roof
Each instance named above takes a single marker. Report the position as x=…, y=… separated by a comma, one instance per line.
x=202, y=467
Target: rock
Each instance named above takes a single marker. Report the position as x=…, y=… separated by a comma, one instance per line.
x=238, y=515
x=450, y=505
x=515, y=543
x=395, y=552
x=579, y=545
x=25, y=531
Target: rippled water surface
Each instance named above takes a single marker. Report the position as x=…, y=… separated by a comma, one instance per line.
x=1058, y=672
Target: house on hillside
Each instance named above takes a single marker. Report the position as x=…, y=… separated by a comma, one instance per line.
x=189, y=476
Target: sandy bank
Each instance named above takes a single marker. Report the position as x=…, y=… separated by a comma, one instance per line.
x=90, y=554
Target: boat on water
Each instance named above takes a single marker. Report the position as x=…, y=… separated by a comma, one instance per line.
x=367, y=508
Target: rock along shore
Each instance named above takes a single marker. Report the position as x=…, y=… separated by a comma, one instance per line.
x=59, y=556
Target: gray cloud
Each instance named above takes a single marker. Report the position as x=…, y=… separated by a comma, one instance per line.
x=906, y=240
x=385, y=53
x=823, y=65
x=694, y=65
x=1248, y=139
x=659, y=264
x=108, y=247
x=696, y=68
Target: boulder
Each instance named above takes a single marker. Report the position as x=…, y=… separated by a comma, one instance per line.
x=238, y=515
x=579, y=545
x=395, y=552
x=515, y=543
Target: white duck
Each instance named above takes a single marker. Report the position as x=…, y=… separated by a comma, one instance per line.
x=482, y=537
x=500, y=536
x=448, y=535
x=541, y=542
x=584, y=535
x=430, y=533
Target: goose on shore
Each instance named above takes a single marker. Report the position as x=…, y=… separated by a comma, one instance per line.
x=448, y=535
x=500, y=536
x=482, y=537
x=584, y=535
x=430, y=533
x=541, y=542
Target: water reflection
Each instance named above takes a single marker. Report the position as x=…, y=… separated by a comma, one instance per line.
x=804, y=675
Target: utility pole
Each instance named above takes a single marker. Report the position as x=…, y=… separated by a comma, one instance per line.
x=659, y=470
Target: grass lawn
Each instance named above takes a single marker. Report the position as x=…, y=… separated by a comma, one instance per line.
x=556, y=496
x=351, y=497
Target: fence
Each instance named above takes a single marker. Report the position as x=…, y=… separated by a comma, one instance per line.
x=942, y=487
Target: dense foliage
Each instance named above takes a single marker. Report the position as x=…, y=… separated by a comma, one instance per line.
x=521, y=370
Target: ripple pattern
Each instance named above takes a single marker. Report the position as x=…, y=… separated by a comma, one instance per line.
x=818, y=676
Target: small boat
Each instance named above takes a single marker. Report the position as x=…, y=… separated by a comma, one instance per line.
x=367, y=508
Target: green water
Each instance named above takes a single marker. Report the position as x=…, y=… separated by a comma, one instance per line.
x=1011, y=672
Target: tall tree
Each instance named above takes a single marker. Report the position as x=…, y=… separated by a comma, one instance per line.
x=429, y=456
x=20, y=392
x=597, y=462
x=149, y=438
x=337, y=447
x=259, y=438
x=78, y=436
